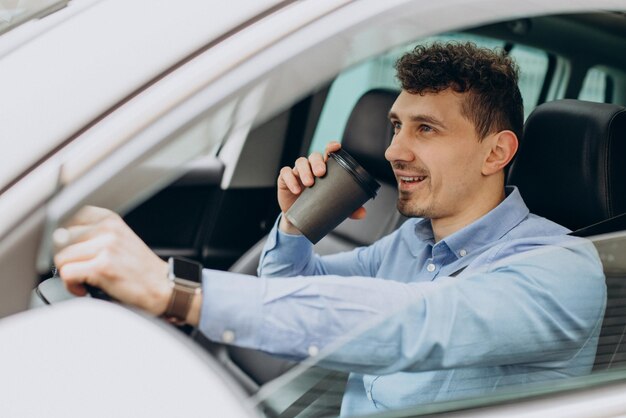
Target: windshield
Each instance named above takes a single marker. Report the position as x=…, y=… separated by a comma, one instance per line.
x=15, y=12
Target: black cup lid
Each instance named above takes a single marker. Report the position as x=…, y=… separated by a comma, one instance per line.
x=365, y=179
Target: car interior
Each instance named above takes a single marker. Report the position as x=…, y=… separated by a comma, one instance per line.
x=570, y=168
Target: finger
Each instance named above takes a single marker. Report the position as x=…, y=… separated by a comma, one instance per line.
x=360, y=213
x=289, y=180
x=81, y=272
x=304, y=170
x=62, y=237
x=89, y=215
x=317, y=164
x=74, y=275
x=81, y=251
x=332, y=146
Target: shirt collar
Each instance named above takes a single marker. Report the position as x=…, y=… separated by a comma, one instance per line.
x=485, y=230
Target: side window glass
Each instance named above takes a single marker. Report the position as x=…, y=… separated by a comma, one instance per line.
x=346, y=90
x=597, y=86
x=533, y=67
x=379, y=72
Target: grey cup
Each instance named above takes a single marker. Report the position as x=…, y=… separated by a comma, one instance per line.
x=344, y=188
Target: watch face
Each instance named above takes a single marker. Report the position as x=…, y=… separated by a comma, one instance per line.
x=187, y=269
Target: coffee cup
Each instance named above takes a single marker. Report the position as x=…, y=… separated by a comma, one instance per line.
x=344, y=188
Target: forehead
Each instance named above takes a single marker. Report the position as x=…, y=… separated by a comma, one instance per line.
x=444, y=105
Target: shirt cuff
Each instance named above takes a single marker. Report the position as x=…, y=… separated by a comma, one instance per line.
x=231, y=308
x=282, y=249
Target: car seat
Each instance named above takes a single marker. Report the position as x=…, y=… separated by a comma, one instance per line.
x=571, y=163
x=571, y=168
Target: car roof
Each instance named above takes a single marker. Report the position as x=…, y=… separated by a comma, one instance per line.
x=59, y=73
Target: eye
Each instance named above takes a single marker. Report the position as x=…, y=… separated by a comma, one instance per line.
x=425, y=128
x=396, y=126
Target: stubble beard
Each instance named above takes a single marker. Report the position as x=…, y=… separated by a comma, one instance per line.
x=411, y=209
x=407, y=204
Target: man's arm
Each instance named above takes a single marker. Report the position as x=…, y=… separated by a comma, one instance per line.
x=99, y=249
x=287, y=252
x=542, y=307
x=287, y=255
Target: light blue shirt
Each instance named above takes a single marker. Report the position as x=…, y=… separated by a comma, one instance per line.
x=527, y=307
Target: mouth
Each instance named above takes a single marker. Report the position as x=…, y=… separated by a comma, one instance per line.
x=409, y=180
x=408, y=183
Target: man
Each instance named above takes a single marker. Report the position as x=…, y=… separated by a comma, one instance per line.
x=471, y=294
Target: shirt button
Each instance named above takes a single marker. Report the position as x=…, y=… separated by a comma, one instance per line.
x=430, y=267
x=313, y=351
x=228, y=336
x=462, y=253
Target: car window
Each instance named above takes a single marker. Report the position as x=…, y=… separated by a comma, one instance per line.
x=379, y=73
x=317, y=387
x=533, y=64
x=597, y=86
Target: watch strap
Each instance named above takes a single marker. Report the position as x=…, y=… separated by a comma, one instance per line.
x=183, y=288
x=178, y=307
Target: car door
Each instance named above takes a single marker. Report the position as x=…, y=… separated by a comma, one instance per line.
x=218, y=101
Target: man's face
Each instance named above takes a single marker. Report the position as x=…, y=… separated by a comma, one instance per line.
x=435, y=154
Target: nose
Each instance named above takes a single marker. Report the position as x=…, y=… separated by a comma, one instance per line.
x=398, y=150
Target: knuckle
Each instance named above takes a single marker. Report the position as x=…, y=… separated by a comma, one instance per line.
x=99, y=269
x=113, y=221
x=110, y=223
x=285, y=175
x=315, y=156
x=110, y=241
x=104, y=261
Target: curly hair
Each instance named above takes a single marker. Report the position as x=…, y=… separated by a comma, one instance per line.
x=490, y=76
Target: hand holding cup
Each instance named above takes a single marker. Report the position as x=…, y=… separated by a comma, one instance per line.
x=317, y=193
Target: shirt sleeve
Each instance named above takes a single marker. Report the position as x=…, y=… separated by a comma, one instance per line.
x=544, y=306
x=286, y=255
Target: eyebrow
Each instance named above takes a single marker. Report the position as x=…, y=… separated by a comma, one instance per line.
x=418, y=118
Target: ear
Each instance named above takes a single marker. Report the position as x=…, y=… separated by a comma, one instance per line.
x=501, y=149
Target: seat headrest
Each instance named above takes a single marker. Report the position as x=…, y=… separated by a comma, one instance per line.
x=571, y=162
x=368, y=133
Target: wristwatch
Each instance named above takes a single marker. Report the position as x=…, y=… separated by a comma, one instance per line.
x=185, y=279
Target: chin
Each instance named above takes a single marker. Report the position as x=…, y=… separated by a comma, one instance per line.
x=412, y=211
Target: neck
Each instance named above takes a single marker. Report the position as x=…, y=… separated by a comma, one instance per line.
x=445, y=226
